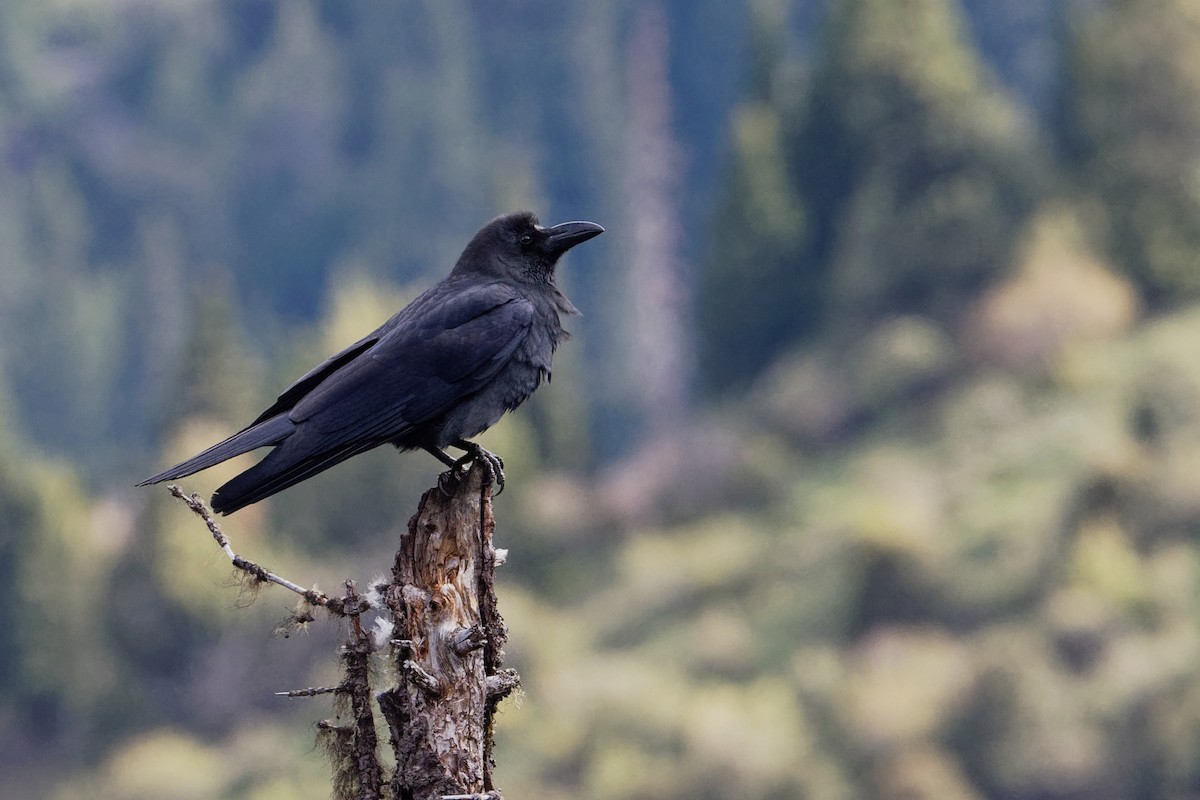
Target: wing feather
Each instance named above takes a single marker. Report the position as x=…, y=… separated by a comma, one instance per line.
x=311, y=379
x=418, y=366
x=416, y=373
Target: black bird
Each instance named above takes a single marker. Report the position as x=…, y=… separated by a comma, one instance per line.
x=444, y=369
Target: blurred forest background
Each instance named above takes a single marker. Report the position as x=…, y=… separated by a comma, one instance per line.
x=873, y=469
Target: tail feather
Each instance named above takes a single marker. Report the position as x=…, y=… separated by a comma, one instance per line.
x=271, y=431
x=279, y=470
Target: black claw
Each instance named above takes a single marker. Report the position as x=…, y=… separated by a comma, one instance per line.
x=493, y=464
x=495, y=467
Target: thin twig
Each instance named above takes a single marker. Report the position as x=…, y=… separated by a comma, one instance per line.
x=198, y=506
x=312, y=691
x=356, y=655
x=418, y=675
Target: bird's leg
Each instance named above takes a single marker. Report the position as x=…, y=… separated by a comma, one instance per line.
x=448, y=479
x=476, y=453
x=442, y=456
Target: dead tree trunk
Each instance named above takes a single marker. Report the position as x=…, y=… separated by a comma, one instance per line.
x=448, y=646
x=439, y=628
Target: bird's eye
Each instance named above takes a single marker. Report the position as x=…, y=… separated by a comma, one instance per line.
x=526, y=239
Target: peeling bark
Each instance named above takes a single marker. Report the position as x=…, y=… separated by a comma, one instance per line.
x=448, y=644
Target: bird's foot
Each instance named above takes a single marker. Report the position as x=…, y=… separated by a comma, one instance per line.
x=493, y=464
x=494, y=468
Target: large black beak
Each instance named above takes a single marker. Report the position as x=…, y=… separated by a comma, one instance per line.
x=568, y=234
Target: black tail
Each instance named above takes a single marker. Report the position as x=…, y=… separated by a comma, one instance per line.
x=271, y=431
x=279, y=470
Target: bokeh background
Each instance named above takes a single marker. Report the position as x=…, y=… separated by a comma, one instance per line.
x=871, y=471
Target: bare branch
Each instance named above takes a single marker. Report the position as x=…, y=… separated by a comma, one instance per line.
x=501, y=684
x=356, y=656
x=437, y=620
x=465, y=640
x=417, y=674
x=312, y=691
x=258, y=573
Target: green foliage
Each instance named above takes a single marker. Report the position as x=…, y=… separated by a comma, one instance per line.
x=757, y=296
x=918, y=168
x=57, y=550
x=1130, y=128
x=993, y=602
x=255, y=763
x=899, y=186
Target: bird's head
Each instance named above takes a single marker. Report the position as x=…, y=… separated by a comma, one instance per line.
x=516, y=246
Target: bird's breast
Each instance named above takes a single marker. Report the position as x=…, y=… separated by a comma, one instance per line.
x=511, y=386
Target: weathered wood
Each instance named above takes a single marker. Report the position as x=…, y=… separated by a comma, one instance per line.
x=447, y=644
x=356, y=655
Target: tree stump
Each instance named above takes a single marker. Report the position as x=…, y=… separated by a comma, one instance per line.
x=441, y=633
x=447, y=645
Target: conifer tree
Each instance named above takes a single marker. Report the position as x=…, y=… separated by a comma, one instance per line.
x=1130, y=131
x=894, y=185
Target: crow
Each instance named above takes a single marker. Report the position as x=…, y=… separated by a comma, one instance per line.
x=442, y=370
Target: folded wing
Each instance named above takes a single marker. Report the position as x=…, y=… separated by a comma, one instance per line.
x=436, y=354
